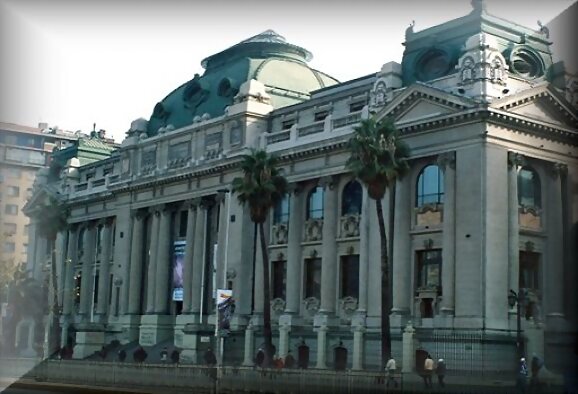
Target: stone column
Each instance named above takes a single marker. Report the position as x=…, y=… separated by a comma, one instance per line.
x=151, y=259
x=554, y=289
x=249, y=345
x=401, y=249
x=514, y=161
x=39, y=254
x=87, y=280
x=408, y=349
x=321, y=347
x=329, y=247
x=71, y=259
x=199, y=253
x=104, y=277
x=32, y=245
x=61, y=245
x=284, y=331
x=163, y=263
x=448, y=164
x=136, y=263
x=364, y=252
x=294, y=250
x=357, y=363
x=188, y=262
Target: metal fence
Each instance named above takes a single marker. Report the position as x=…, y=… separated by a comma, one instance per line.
x=176, y=378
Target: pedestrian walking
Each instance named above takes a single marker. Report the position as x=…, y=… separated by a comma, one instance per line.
x=522, y=376
x=259, y=358
x=121, y=355
x=441, y=372
x=536, y=366
x=289, y=360
x=164, y=354
x=428, y=368
x=210, y=358
x=390, y=369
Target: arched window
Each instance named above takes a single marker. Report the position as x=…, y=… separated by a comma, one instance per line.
x=430, y=186
x=351, y=199
x=281, y=211
x=529, y=194
x=315, y=203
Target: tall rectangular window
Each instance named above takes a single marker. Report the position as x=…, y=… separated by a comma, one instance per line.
x=529, y=274
x=429, y=268
x=279, y=276
x=183, y=217
x=312, y=278
x=350, y=276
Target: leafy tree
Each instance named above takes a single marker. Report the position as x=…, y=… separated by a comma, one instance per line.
x=378, y=158
x=261, y=188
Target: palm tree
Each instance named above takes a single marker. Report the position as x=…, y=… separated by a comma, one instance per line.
x=51, y=217
x=261, y=188
x=378, y=158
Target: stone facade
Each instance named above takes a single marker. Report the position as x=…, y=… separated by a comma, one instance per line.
x=489, y=205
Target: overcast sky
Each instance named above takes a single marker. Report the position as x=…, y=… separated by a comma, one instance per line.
x=72, y=63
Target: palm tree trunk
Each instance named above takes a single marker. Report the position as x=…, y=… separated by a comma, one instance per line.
x=385, y=289
x=266, y=301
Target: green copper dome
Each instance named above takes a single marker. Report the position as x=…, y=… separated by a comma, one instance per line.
x=266, y=57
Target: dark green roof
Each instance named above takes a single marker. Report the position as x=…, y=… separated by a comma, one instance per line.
x=87, y=150
x=266, y=57
x=448, y=40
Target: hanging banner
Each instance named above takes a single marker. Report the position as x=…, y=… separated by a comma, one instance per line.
x=225, y=308
x=178, y=264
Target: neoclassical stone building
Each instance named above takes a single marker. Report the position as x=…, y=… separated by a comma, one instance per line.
x=490, y=205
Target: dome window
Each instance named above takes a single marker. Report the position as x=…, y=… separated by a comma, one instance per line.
x=226, y=88
x=526, y=63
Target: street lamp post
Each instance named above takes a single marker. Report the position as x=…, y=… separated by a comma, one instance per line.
x=516, y=299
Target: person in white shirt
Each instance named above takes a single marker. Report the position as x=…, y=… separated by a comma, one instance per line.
x=390, y=368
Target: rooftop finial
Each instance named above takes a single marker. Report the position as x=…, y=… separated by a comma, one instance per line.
x=479, y=6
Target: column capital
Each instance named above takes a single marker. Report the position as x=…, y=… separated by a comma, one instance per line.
x=516, y=159
x=206, y=203
x=138, y=213
x=73, y=227
x=294, y=188
x=327, y=182
x=558, y=169
x=220, y=197
x=447, y=159
x=106, y=221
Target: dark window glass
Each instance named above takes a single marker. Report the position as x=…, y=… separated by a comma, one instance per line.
x=281, y=211
x=80, y=240
x=350, y=276
x=529, y=270
x=430, y=186
x=356, y=106
x=95, y=291
x=315, y=203
x=313, y=278
x=183, y=223
x=429, y=268
x=279, y=279
x=351, y=199
x=321, y=115
x=11, y=209
x=529, y=194
x=287, y=124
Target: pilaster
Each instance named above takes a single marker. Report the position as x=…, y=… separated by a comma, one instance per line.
x=294, y=250
x=329, y=246
x=136, y=263
x=447, y=162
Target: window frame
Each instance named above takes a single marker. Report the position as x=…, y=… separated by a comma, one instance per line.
x=422, y=263
x=345, y=264
x=311, y=212
x=524, y=190
x=421, y=197
x=310, y=268
x=346, y=203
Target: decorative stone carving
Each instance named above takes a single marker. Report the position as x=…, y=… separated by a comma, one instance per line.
x=311, y=304
x=467, y=70
x=558, y=169
x=409, y=31
x=348, y=305
x=280, y=234
x=349, y=226
x=572, y=91
x=313, y=230
x=429, y=215
x=530, y=217
x=447, y=159
x=277, y=305
x=515, y=159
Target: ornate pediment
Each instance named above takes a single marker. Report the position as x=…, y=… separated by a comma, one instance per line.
x=420, y=101
x=541, y=104
x=43, y=197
